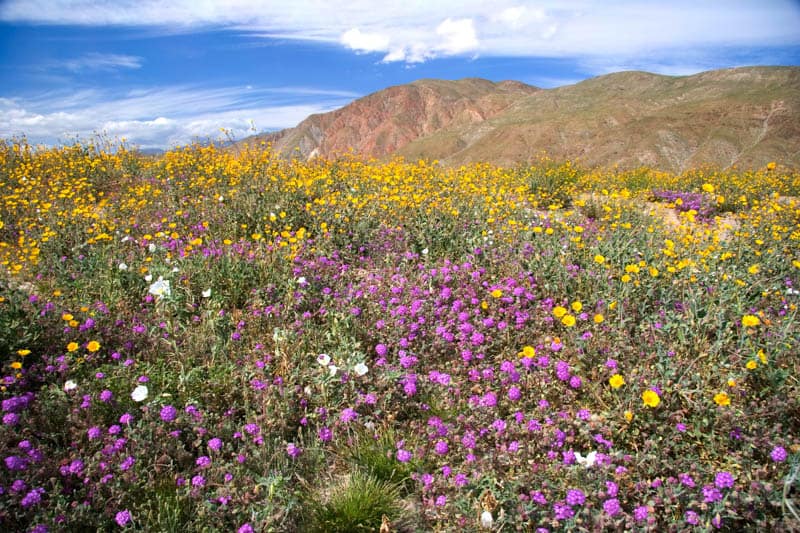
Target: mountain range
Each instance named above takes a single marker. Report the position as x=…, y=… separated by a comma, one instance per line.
x=743, y=117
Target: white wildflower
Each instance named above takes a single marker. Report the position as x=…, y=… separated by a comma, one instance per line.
x=587, y=461
x=160, y=288
x=139, y=394
x=487, y=520
x=70, y=385
x=360, y=369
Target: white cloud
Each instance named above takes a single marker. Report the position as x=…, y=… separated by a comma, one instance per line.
x=160, y=118
x=417, y=31
x=458, y=36
x=365, y=42
x=103, y=62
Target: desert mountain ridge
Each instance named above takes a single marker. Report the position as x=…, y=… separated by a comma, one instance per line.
x=743, y=117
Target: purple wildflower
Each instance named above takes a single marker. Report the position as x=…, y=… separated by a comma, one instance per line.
x=32, y=498
x=640, y=513
x=575, y=497
x=325, y=434
x=724, y=480
x=612, y=507
x=348, y=415
x=168, y=413
x=562, y=370
x=293, y=450
x=778, y=454
x=711, y=494
x=562, y=511
x=403, y=456
x=127, y=463
x=441, y=447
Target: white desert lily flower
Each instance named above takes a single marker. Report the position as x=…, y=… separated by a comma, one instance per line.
x=139, y=394
x=587, y=461
x=160, y=288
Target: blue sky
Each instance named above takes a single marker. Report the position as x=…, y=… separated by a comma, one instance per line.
x=161, y=74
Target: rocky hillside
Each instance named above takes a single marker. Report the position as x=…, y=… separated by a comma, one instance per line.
x=744, y=117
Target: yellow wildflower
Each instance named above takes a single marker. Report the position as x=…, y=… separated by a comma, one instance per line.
x=528, y=351
x=722, y=398
x=93, y=346
x=616, y=381
x=750, y=321
x=651, y=398
x=71, y=347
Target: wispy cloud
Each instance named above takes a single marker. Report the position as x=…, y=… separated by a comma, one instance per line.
x=418, y=31
x=101, y=62
x=158, y=118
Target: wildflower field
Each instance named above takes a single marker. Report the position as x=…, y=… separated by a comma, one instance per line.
x=221, y=340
